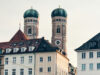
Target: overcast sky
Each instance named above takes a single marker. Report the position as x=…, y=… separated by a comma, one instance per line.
x=83, y=20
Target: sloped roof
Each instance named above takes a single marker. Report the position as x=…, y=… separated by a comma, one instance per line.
x=20, y=40
x=19, y=36
x=93, y=43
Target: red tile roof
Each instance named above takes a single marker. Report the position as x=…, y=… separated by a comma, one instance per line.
x=19, y=36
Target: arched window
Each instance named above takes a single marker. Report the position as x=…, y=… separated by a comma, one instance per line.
x=58, y=29
x=29, y=30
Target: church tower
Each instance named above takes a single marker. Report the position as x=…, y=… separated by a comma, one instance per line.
x=31, y=23
x=59, y=21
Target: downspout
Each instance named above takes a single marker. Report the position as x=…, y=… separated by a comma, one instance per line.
x=56, y=64
x=34, y=63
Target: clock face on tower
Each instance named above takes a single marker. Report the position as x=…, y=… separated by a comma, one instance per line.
x=57, y=42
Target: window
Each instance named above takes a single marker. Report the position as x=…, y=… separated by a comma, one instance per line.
x=41, y=59
x=31, y=48
x=22, y=60
x=23, y=49
x=49, y=58
x=56, y=19
x=98, y=54
x=0, y=61
x=49, y=69
x=8, y=50
x=91, y=55
x=6, y=61
x=59, y=19
x=83, y=55
x=21, y=71
x=40, y=69
x=14, y=60
x=30, y=59
x=29, y=30
x=15, y=50
x=83, y=67
x=6, y=71
x=58, y=29
x=30, y=71
x=98, y=66
x=13, y=71
x=91, y=66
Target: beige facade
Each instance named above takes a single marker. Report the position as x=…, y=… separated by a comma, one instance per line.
x=59, y=32
x=58, y=64
x=62, y=64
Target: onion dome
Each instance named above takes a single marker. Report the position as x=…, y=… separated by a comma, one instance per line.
x=31, y=13
x=59, y=12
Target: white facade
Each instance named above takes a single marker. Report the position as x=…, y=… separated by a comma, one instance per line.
x=18, y=65
x=90, y=66
x=53, y=63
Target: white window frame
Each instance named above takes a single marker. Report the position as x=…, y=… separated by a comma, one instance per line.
x=30, y=59
x=6, y=61
x=6, y=71
x=91, y=66
x=21, y=71
x=83, y=67
x=8, y=50
x=15, y=50
x=14, y=60
x=31, y=48
x=22, y=59
x=13, y=71
x=30, y=71
x=23, y=49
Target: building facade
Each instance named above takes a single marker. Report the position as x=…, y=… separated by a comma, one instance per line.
x=88, y=56
x=26, y=54
x=23, y=56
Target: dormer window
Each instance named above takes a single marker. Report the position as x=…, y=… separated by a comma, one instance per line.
x=23, y=49
x=15, y=50
x=31, y=48
x=8, y=50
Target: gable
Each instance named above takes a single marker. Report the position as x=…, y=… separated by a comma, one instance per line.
x=93, y=43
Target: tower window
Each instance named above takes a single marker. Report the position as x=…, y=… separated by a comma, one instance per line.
x=58, y=29
x=57, y=20
x=29, y=30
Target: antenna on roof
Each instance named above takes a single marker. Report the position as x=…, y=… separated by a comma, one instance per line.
x=59, y=6
x=19, y=25
x=31, y=7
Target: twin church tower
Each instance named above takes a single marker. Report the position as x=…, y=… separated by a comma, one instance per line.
x=59, y=22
